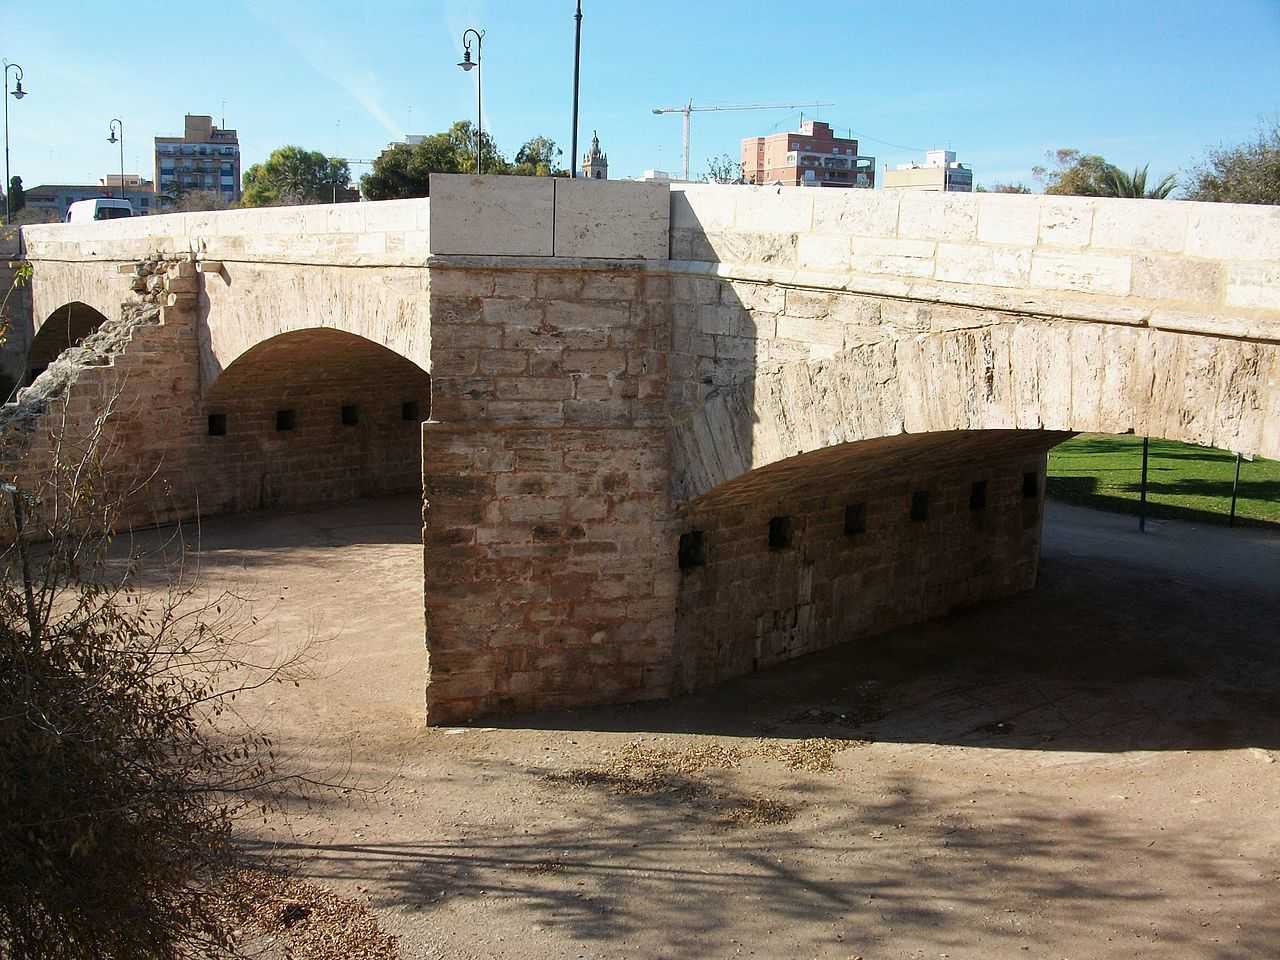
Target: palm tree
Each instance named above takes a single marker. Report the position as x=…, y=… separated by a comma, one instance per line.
x=1117, y=183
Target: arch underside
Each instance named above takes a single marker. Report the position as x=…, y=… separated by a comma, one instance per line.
x=65, y=327
x=313, y=416
x=1026, y=376
x=247, y=305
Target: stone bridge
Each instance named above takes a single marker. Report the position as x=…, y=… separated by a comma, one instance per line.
x=666, y=435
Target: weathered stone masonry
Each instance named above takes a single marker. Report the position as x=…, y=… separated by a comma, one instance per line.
x=549, y=561
x=676, y=437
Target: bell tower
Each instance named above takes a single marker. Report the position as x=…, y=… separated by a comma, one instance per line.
x=595, y=164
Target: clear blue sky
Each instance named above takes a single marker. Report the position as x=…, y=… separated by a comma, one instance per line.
x=999, y=82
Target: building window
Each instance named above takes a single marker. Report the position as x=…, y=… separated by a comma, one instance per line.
x=1030, y=485
x=286, y=420
x=350, y=415
x=217, y=424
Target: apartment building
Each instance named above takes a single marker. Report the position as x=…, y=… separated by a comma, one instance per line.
x=812, y=157
x=204, y=158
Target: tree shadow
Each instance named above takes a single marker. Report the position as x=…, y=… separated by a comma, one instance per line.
x=937, y=872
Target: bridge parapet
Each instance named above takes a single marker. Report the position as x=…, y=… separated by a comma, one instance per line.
x=388, y=233
x=1193, y=267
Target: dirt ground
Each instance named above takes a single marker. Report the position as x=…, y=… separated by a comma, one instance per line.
x=1084, y=771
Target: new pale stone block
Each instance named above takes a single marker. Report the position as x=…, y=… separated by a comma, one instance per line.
x=912, y=258
x=992, y=266
x=611, y=219
x=1066, y=221
x=1008, y=219
x=1155, y=225
x=856, y=213
x=496, y=216
x=702, y=207
x=1233, y=231
x=1087, y=272
x=822, y=251
x=1254, y=285
x=937, y=216
x=773, y=209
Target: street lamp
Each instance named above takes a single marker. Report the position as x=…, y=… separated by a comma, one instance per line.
x=18, y=94
x=467, y=64
x=577, y=56
x=112, y=139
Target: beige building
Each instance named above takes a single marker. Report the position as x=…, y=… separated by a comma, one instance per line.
x=939, y=173
x=204, y=158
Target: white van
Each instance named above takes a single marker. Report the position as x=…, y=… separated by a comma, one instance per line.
x=100, y=208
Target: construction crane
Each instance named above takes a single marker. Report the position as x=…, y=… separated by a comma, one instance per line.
x=689, y=108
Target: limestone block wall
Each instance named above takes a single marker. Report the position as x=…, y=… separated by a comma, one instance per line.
x=550, y=563
x=387, y=233
x=764, y=370
x=843, y=547
x=1192, y=267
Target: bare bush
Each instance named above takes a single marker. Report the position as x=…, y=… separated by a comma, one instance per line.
x=124, y=767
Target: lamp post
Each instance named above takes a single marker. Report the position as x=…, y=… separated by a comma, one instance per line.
x=577, y=57
x=113, y=139
x=18, y=94
x=467, y=64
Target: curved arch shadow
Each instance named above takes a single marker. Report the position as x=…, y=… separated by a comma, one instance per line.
x=67, y=326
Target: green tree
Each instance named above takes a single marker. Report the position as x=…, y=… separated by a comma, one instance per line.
x=1248, y=173
x=1117, y=183
x=1004, y=188
x=17, y=198
x=190, y=201
x=404, y=170
x=1072, y=173
x=292, y=175
x=463, y=136
x=539, y=157
x=724, y=169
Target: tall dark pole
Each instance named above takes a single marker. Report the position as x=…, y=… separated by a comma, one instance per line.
x=18, y=94
x=577, y=60
x=1142, y=496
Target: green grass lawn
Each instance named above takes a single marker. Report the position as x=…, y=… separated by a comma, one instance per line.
x=1183, y=481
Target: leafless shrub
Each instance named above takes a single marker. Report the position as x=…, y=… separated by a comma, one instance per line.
x=124, y=766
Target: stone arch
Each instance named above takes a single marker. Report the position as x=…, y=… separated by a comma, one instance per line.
x=64, y=327
x=312, y=416
x=245, y=304
x=1034, y=375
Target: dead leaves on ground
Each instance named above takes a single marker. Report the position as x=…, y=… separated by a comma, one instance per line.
x=639, y=770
